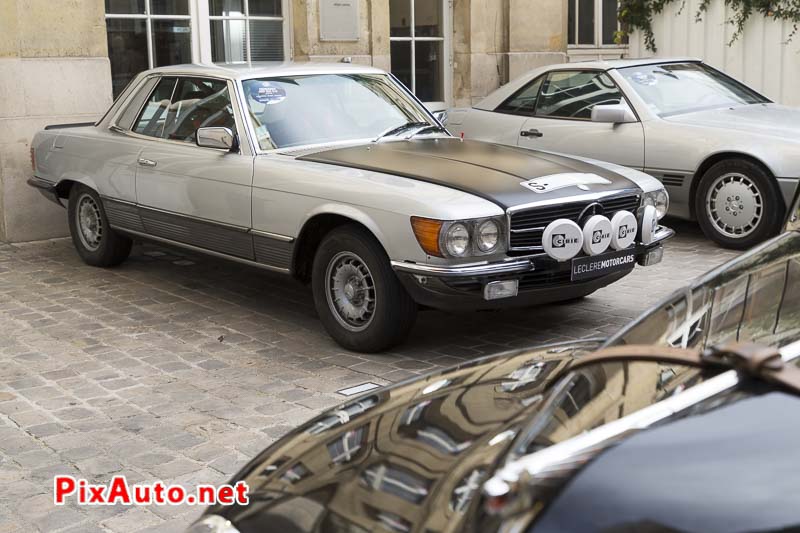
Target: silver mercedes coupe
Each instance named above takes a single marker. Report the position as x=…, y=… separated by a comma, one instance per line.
x=728, y=156
x=337, y=175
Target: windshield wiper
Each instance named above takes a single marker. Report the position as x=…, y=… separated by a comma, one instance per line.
x=397, y=129
x=429, y=127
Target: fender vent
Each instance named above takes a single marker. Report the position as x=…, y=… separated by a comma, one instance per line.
x=672, y=180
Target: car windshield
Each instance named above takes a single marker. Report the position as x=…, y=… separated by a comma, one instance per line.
x=291, y=111
x=674, y=88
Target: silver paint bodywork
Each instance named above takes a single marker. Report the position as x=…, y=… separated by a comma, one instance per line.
x=673, y=149
x=251, y=205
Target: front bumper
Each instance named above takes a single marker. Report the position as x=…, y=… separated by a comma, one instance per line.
x=48, y=189
x=541, y=280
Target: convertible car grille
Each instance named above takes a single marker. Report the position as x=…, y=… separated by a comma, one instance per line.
x=527, y=226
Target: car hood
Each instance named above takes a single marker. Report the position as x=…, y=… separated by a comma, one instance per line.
x=410, y=454
x=494, y=172
x=772, y=120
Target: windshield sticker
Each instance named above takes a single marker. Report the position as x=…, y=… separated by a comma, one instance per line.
x=644, y=78
x=269, y=94
x=561, y=181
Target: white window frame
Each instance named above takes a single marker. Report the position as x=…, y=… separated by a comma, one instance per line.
x=598, y=30
x=447, y=49
x=200, y=27
x=204, y=24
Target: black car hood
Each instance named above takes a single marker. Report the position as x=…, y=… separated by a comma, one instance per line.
x=491, y=171
x=411, y=454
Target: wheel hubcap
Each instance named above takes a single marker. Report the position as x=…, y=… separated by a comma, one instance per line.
x=734, y=205
x=89, y=222
x=350, y=291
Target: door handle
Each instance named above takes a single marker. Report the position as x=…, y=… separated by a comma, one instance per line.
x=147, y=162
x=533, y=132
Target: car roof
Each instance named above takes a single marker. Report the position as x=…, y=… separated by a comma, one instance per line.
x=241, y=71
x=622, y=63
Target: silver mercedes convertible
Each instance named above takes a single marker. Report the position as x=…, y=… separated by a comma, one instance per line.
x=337, y=175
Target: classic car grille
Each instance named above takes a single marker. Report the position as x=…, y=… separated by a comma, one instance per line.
x=527, y=226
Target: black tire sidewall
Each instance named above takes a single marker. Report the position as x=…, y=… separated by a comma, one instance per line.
x=395, y=311
x=773, y=205
x=113, y=247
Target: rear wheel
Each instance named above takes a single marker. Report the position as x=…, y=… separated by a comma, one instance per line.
x=358, y=297
x=738, y=205
x=95, y=241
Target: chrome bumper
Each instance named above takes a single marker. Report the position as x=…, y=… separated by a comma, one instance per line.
x=510, y=265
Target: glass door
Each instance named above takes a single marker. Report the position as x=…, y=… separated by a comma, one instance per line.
x=420, y=47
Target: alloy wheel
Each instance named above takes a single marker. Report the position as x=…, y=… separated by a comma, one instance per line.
x=350, y=291
x=735, y=205
x=89, y=222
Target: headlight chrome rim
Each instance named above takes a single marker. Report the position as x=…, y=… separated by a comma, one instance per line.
x=480, y=230
x=658, y=199
x=449, y=237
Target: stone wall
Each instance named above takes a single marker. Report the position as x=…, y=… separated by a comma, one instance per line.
x=53, y=69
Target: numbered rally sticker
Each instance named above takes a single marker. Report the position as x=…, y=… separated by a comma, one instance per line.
x=269, y=94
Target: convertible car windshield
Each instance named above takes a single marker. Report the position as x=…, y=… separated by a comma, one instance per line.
x=675, y=88
x=324, y=108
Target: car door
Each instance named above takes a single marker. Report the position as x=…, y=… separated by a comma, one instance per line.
x=562, y=118
x=186, y=193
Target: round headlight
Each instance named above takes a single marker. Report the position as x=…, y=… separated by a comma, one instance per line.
x=487, y=236
x=456, y=240
x=661, y=203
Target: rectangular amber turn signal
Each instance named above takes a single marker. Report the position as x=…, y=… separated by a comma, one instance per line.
x=427, y=232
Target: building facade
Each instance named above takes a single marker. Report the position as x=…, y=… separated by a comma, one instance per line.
x=63, y=61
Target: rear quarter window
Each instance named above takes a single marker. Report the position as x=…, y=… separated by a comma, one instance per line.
x=134, y=104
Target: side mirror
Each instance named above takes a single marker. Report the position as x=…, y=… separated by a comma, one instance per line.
x=613, y=113
x=222, y=138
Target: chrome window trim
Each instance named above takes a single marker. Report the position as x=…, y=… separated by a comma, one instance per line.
x=231, y=84
x=577, y=448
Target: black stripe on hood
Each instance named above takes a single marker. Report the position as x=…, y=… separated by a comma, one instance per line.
x=491, y=171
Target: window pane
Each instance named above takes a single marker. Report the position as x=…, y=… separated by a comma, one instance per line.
x=225, y=7
x=427, y=18
x=126, y=119
x=266, y=40
x=125, y=7
x=172, y=42
x=400, y=18
x=609, y=20
x=127, y=50
x=574, y=94
x=571, y=22
x=585, y=21
x=198, y=103
x=228, y=41
x=169, y=7
x=154, y=115
x=429, y=71
x=524, y=101
x=401, y=61
x=265, y=8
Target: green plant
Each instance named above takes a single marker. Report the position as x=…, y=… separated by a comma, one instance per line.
x=638, y=15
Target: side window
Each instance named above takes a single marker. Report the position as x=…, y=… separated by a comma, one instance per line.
x=198, y=103
x=154, y=115
x=573, y=94
x=126, y=118
x=523, y=102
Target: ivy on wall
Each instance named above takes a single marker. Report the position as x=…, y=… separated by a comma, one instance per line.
x=638, y=15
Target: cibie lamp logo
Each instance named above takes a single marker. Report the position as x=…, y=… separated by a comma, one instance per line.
x=560, y=240
x=599, y=235
x=625, y=230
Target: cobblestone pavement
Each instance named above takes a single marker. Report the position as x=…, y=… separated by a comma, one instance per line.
x=180, y=368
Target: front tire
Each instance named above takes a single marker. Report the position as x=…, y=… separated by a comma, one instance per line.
x=96, y=243
x=358, y=297
x=738, y=204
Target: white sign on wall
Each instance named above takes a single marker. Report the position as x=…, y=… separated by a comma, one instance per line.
x=338, y=20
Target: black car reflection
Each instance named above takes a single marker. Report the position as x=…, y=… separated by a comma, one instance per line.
x=419, y=455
